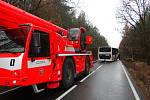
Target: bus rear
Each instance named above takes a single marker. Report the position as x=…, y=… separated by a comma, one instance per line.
x=104, y=54
x=107, y=54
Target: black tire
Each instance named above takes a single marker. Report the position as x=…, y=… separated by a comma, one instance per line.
x=87, y=66
x=68, y=73
x=83, y=41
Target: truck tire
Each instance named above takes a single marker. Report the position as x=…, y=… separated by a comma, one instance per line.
x=87, y=66
x=83, y=41
x=68, y=73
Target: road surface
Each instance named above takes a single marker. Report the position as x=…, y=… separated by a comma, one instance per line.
x=107, y=81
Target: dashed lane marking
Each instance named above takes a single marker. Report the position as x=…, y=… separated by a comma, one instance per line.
x=91, y=73
x=87, y=76
x=9, y=90
x=73, y=87
x=64, y=94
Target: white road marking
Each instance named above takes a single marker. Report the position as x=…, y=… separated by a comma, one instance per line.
x=64, y=94
x=9, y=90
x=91, y=73
x=87, y=76
x=73, y=87
x=131, y=85
x=98, y=67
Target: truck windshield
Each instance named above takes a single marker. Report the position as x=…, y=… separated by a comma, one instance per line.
x=74, y=34
x=13, y=40
x=105, y=49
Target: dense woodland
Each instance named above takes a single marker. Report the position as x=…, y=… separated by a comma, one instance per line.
x=135, y=44
x=62, y=13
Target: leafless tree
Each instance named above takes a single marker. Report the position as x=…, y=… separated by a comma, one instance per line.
x=133, y=11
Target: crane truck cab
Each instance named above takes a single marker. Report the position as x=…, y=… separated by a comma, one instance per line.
x=32, y=55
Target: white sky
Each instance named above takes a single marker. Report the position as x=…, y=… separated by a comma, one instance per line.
x=102, y=13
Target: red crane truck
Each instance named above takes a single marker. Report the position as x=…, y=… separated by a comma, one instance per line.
x=34, y=51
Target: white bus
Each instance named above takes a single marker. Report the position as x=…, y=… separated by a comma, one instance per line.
x=108, y=54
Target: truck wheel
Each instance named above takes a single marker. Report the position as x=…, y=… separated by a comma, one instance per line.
x=83, y=41
x=68, y=73
x=87, y=66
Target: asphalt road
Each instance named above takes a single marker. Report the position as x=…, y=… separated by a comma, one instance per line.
x=107, y=81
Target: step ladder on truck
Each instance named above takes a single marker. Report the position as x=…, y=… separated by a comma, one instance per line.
x=34, y=51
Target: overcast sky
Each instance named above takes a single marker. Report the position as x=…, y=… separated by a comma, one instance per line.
x=102, y=13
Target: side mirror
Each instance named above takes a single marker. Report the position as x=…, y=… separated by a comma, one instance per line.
x=88, y=40
x=73, y=34
x=35, y=44
x=36, y=40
